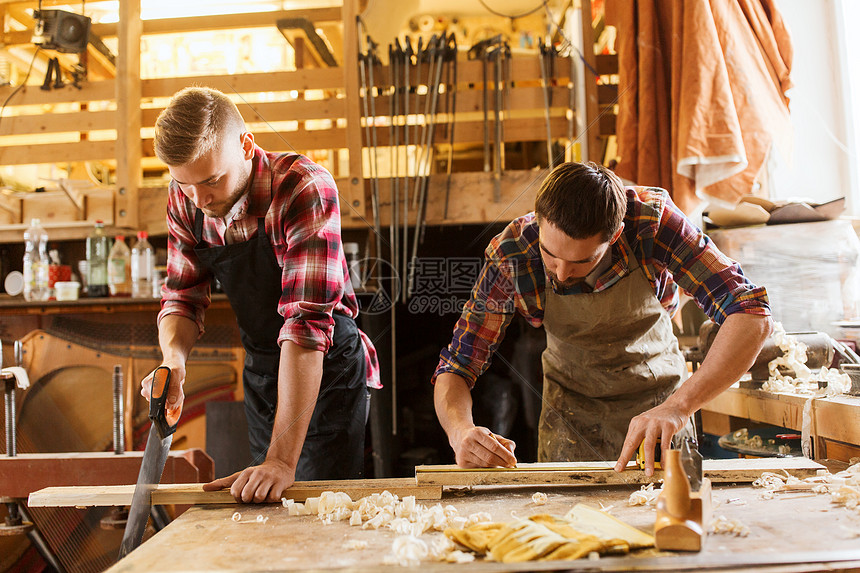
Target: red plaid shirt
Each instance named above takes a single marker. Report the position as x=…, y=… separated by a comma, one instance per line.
x=299, y=200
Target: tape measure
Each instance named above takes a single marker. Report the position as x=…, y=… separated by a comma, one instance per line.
x=640, y=455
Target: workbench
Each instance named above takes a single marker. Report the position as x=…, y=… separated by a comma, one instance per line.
x=835, y=422
x=788, y=530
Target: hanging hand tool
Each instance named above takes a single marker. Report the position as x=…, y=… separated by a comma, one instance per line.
x=404, y=246
x=394, y=63
x=544, y=78
x=452, y=115
x=437, y=49
x=498, y=55
x=161, y=432
x=481, y=50
x=372, y=61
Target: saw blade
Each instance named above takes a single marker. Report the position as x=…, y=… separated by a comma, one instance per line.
x=151, y=468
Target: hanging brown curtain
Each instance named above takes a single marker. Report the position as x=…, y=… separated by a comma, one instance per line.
x=702, y=94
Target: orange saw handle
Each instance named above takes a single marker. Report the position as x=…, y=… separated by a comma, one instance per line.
x=158, y=403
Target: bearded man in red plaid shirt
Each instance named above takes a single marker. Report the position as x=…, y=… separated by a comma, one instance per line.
x=267, y=227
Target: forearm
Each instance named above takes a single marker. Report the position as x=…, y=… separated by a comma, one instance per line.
x=176, y=337
x=299, y=378
x=733, y=352
x=453, y=401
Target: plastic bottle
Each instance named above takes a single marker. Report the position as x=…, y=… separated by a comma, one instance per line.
x=97, y=262
x=35, y=262
x=119, y=263
x=142, y=267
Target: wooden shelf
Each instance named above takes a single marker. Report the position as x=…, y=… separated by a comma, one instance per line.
x=831, y=417
x=16, y=305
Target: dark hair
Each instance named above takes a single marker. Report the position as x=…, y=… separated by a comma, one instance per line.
x=582, y=200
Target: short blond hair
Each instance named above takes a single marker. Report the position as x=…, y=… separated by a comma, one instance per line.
x=193, y=124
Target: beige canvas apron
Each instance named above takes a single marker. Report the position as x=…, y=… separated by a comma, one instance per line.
x=610, y=356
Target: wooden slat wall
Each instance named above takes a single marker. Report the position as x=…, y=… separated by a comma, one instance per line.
x=524, y=111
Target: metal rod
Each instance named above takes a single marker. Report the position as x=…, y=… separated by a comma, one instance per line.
x=404, y=247
x=374, y=182
x=452, y=87
x=9, y=400
x=118, y=411
x=497, y=116
x=40, y=543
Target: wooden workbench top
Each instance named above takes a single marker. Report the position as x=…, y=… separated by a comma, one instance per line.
x=789, y=529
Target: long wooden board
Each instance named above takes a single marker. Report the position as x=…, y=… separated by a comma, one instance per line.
x=193, y=494
x=585, y=473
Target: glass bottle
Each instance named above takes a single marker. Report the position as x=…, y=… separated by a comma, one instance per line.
x=97, y=262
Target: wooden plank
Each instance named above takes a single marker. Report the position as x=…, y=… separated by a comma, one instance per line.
x=515, y=129
x=472, y=100
x=523, y=68
x=353, y=189
x=128, y=93
x=193, y=494
x=78, y=121
x=193, y=23
x=94, y=468
x=34, y=95
x=591, y=144
x=719, y=471
x=57, y=152
x=307, y=79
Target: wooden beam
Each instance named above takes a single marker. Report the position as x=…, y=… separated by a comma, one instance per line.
x=128, y=93
x=95, y=468
x=592, y=111
x=102, y=120
x=193, y=494
x=57, y=152
x=573, y=474
x=299, y=80
x=192, y=23
x=353, y=191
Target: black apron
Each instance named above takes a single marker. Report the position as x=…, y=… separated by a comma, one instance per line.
x=251, y=277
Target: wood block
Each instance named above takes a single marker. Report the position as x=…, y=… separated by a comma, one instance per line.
x=98, y=205
x=10, y=208
x=49, y=206
x=193, y=494
x=589, y=473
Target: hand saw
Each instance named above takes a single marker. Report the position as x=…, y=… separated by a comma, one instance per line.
x=154, y=458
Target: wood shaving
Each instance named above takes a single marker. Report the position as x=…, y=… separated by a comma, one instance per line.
x=724, y=526
x=843, y=487
x=237, y=517
x=804, y=380
x=407, y=551
x=539, y=498
x=354, y=544
x=646, y=495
